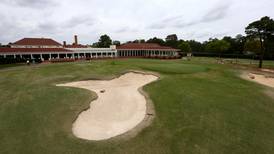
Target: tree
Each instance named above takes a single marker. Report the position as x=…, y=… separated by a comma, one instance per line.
x=142, y=41
x=240, y=43
x=196, y=46
x=253, y=45
x=117, y=43
x=185, y=47
x=139, y=41
x=270, y=47
x=156, y=40
x=172, y=43
x=262, y=29
x=233, y=44
x=217, y=46
x=104, y=41
x=95, y=45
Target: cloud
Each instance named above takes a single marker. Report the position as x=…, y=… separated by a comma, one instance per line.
x=80, y=20
x=52, y=27
x=168, y=21
x=122, y=30
x=38, y=4
x=218, y=12
x=47, y=27
x=125, y=20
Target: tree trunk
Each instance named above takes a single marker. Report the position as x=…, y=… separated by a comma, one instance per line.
x=262, y=54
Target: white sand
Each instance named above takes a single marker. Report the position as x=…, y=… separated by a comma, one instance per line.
x=268, y=70
x=262, y=79
x=119, y=108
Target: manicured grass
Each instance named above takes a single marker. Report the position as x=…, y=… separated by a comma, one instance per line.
x=201, y=107
x=2, y=66
x=245, y=62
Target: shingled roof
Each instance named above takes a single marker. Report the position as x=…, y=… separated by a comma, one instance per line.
x=33, y=50
x=144, y=46
x=37, y=41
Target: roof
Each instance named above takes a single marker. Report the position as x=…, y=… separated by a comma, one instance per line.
x=144, y=46
x=75, y=46
x=37, y=41
x=34, y=50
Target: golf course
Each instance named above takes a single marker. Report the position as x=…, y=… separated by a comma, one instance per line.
x=200, y=106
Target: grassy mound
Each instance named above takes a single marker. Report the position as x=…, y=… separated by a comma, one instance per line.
x=201, y=107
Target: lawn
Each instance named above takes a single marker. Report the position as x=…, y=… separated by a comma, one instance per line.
x=201, y=107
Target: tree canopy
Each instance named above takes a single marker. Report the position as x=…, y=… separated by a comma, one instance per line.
x=104, y=41
x=217, y=46
x=185, y=47
x=253, y=46
x=156, y=40
x=117, y=43
x=262, y=30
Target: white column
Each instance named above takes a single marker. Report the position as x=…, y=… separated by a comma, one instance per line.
x=58, y=56
x=5, y=55
x=31, y=56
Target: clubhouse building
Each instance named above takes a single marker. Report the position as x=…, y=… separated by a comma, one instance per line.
x=48, y=49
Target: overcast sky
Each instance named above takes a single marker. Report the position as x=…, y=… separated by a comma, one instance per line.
x=128, y=19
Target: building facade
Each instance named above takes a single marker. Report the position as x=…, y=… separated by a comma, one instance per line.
x=146, y=50
x=47, y=49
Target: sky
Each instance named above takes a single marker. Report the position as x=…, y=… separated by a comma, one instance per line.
x=126, y=20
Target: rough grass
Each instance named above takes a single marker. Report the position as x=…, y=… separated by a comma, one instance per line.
x=201, y=108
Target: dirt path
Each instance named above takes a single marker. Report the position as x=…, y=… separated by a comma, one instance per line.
x=119, y=108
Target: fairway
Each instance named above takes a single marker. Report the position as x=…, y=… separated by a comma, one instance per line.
x=201, y=107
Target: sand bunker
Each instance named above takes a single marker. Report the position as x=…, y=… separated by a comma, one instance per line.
x=119, y=108
x=262, y=79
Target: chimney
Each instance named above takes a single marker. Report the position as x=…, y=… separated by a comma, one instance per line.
x=75, y=40
x=64, y=43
